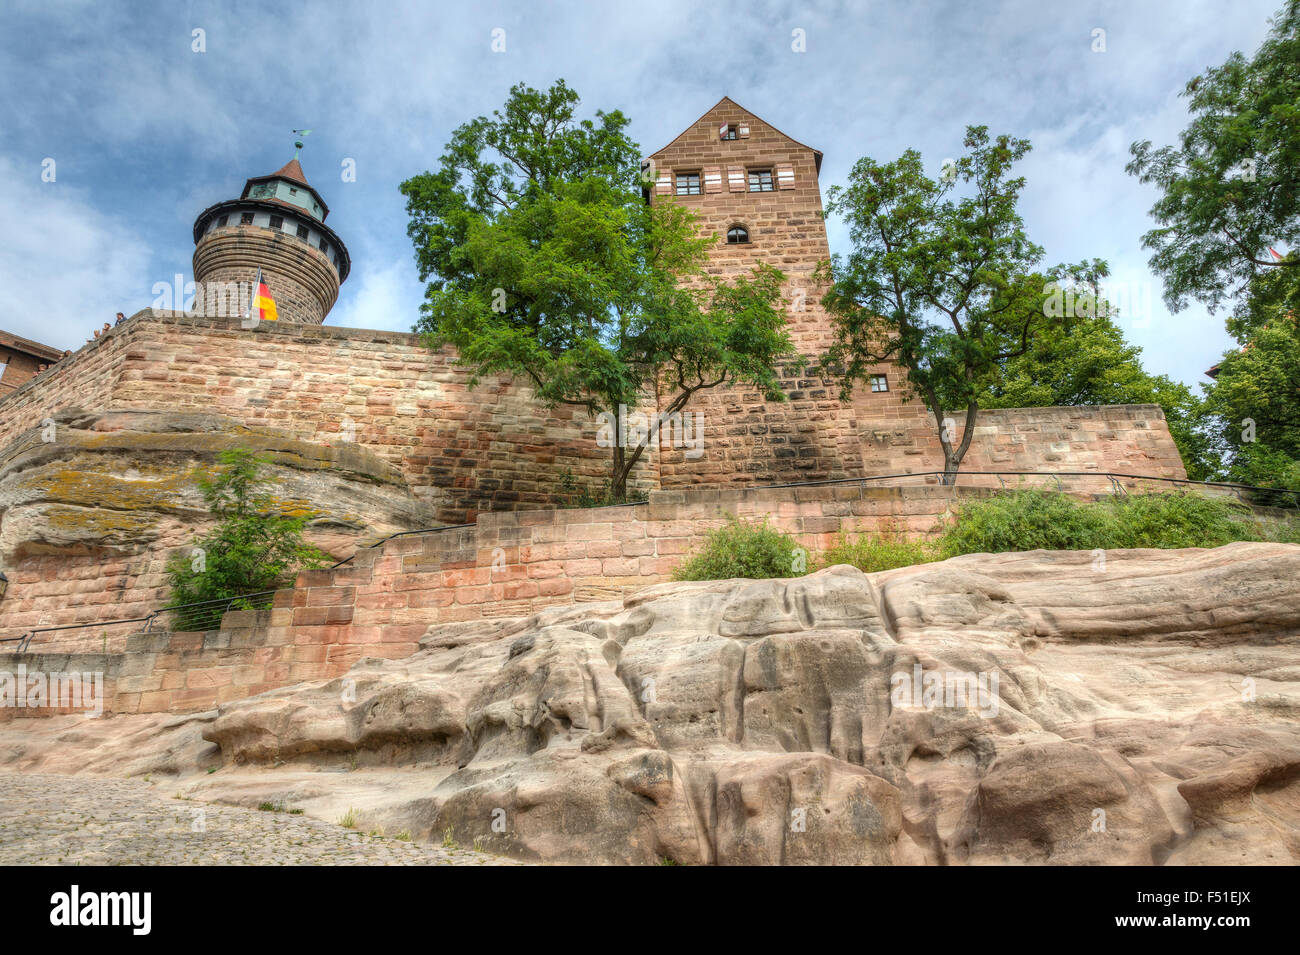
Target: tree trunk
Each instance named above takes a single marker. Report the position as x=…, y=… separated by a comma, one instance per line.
x=952, y=456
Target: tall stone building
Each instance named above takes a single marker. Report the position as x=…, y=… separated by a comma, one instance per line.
x=756, y=191
x=277, y=224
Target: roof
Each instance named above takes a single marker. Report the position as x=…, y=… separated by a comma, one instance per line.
x=817, y=153
x=27, y=346
x=292, y=171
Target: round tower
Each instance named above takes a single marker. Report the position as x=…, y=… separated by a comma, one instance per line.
x=278, y=225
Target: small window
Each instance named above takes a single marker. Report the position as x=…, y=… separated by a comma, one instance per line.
x=760, y=180
x=222, y=221
x=729, y=131
x=879, y=383
x=293, y=191
x=688, y=184
x=737, y=235
x=245, y=218
x=324, y=246
x=277, y=222
x=337, y=264
x=302, y=232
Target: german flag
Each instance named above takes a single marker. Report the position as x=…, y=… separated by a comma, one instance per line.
x=263, y=305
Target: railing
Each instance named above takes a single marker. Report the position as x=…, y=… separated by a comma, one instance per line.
x=196, y=616
x=207, y=614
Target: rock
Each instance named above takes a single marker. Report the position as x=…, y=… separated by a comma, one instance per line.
x=1040, y=708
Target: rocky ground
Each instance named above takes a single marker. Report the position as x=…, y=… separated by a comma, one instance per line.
x=1136, y=707
x=79, y=820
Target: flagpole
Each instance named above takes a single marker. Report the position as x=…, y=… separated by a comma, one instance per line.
x=252, y=301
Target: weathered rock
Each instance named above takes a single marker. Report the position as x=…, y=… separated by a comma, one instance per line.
x=1065, y=714
x=1040, y=708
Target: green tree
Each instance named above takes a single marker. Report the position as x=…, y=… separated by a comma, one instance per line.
x=545, y=262
x=255, y=545
x=1086, y=361
x=943, y=283
x=1255, y=399
x=1231, y=188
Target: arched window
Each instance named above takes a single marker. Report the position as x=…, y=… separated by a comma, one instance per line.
x=737, y=234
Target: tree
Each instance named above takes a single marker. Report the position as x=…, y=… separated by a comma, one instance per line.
x=1086, y=361
x=255, y=545
x=1256, y=401
x=943, y=284
x=545, y=262
x=1231, y=188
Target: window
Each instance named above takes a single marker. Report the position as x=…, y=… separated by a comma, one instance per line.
x=324, y=246
x=222, y=221
x=879, y=383
x=760, y=180
x=729, y=131
x=688, y=184
x=737, y=234
x=245, y=218
x=277, y=222
x=337, y=264
x=293, y=191
x=302, y=232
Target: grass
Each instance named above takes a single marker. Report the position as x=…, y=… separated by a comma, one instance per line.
x=349, y=819
x=871, y=553
x=449, y=839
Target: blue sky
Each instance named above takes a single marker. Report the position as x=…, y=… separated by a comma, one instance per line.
x=145, y=132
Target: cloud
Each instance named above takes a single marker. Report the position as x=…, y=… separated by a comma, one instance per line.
x=65, y=267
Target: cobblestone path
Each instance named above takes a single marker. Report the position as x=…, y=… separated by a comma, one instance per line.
x=83, y=820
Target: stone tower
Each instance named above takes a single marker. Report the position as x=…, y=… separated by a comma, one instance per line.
x=278, y=225
x=756, y=193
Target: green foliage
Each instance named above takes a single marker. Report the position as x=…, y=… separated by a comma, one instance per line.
x=255, y=546
x=1086, y=361
x=1029, y=520
x=884, y=552
x=740, y=549
x=1262, y=467
x=1261, y=382
x=544, y=262
x=942, y=277
x=1229, y=188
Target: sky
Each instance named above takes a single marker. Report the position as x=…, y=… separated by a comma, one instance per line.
x=145, y=129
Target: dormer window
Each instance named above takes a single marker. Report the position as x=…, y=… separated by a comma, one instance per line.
x=737, y=235
x=688, y=184
x=293, y=191
x=760, y=180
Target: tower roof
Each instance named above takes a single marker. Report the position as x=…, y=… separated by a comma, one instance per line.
x=727, y=103
x=290, y=172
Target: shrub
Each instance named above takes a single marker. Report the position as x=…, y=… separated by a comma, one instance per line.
x=1027, y=520
x=256, y=544
x=870, y=554
x=1024, y=520
x=738, y=549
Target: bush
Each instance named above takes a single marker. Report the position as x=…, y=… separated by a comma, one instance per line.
x=738, y=549
x=1024, y=520
x=870, y=554
x=1027, y=520
x=255, y=546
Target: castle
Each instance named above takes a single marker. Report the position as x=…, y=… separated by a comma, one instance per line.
x=378, y=434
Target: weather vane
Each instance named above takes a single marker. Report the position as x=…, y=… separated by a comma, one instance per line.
x=301, y=134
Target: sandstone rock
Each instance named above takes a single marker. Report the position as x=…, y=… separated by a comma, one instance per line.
x=1035, y=708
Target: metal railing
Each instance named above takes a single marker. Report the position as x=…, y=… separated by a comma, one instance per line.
x=199, y=615
x=207, y=614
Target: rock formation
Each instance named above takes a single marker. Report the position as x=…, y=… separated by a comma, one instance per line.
x=1049, y=707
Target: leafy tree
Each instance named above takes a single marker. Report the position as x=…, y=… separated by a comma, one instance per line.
x=1086, y=361
x=544, y=262
x=255, y=545
x=944, y=284
x=1231, y=188
x=1256, y=402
